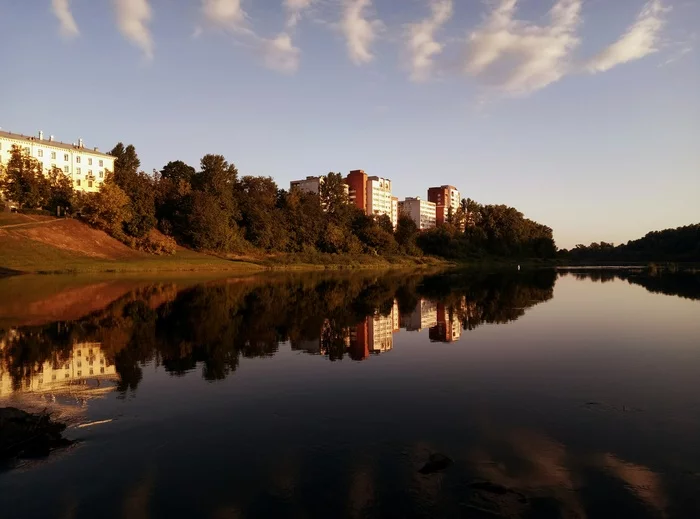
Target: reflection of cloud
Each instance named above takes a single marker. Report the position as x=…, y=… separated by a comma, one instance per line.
x=644, y=483
x=545, y=473
x=136, y=502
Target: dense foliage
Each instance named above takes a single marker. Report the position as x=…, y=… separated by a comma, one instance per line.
x=680, y=244
x=215, y=209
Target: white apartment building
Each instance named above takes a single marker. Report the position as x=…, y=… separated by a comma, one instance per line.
x=420, y=211
x=379, y=199
x=394, y=211
x=86, y=167
x=424, y=316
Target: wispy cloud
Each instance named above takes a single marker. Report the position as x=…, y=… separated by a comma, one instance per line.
x=640, y=40
x=519, y=57
x=295, y=10
x=61, y=8
x=280, y=54
x=360, y=31
x=228, y=14
x=133, y=17
x=421, y=44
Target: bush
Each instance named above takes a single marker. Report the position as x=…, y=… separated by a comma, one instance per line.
x=39, y=212
x=156, y=243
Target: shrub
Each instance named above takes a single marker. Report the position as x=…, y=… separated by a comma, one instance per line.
x=156, y=243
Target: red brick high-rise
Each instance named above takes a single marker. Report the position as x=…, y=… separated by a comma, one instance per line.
x=444, y=197
x=357, y=184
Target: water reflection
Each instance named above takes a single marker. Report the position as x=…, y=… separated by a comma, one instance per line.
x=572, y=411
x=216, y=324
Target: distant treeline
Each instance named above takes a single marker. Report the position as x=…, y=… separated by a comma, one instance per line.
x=671, y=245
x=216, y=209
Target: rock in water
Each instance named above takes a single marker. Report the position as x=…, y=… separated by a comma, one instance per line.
x=28, y=435
x=437, y=463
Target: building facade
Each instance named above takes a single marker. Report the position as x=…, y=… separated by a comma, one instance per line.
x=308, y=185
x=422, y=212
x=445, y=198
x=86, y=167
x=424, y=316
x=379, y=198
x=357, y=189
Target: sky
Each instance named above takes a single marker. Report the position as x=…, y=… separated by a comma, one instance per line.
x=583, y=114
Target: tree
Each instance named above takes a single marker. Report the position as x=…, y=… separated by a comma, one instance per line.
x=126, y=166
x=108, y=209
x=138, y=186
x=23, y=180
x=334, y=198
x=260, y=217
x=61, y=192
x=209, y=225
x=172, y=200
x=406, y=233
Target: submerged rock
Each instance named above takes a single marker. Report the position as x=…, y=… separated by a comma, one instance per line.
x=437, y=463
x=27, y=435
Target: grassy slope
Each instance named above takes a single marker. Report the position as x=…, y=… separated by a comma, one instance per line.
x=30, y=244
x=62, y=246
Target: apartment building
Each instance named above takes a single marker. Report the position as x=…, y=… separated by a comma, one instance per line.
x=372, y=195
x=444, y=198
x=448, y=327
x=86, y=167
x=422, y=212
x=308, y=185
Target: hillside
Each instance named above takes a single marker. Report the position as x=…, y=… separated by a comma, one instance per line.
x=45, y=244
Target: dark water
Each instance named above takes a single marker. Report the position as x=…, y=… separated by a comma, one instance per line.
x=536, y=394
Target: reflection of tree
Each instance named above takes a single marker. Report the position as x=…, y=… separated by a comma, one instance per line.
x=683, y=284
x=214, y=325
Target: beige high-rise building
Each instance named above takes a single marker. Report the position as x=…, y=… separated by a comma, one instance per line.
x=422, y=212
x=85, y=166
x=379, y=198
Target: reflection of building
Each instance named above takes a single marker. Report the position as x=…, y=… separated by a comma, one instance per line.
x=444, y=198
x=374, y=335
x=424, y=316
x=420, y=211
x=83, y=370
x=448, y=327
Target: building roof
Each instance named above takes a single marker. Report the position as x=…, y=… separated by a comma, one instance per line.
x=55, y=144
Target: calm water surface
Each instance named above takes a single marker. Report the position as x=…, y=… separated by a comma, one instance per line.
x=555, y=395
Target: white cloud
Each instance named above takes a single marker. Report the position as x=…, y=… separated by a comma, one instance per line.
x=61, y=8
x=295, y=9
x=280, y=54
x=519, y=57
x=421, y=44
x=640, y=40
x=133, y=17
x=228, y=14
x=360, y=32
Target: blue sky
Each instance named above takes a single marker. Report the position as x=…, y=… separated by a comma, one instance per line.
x=583, y=114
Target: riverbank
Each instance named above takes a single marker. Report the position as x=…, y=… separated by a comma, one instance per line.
x=42, y=245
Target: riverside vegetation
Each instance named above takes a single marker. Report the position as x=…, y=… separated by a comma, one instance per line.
x=216, y=210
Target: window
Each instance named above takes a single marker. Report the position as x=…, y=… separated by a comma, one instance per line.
x=41, y=165
x=89, y=183
x=102, y=173
x=91, y=371
x=26, y=149
x=79, y=364
x=78, y=171
x=89, y=172
x=53, y=377
x=67, y=375
x=79, y=373
x=53, y=155
x=66, y=169
x=65, y=157
x=101, y=163
x=40, y=153
x=89, y=162
x=102, y=361
x=102, y=370
x=77, y=182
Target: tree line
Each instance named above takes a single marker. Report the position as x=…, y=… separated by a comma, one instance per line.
x=681, y=244
x=214, y=208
